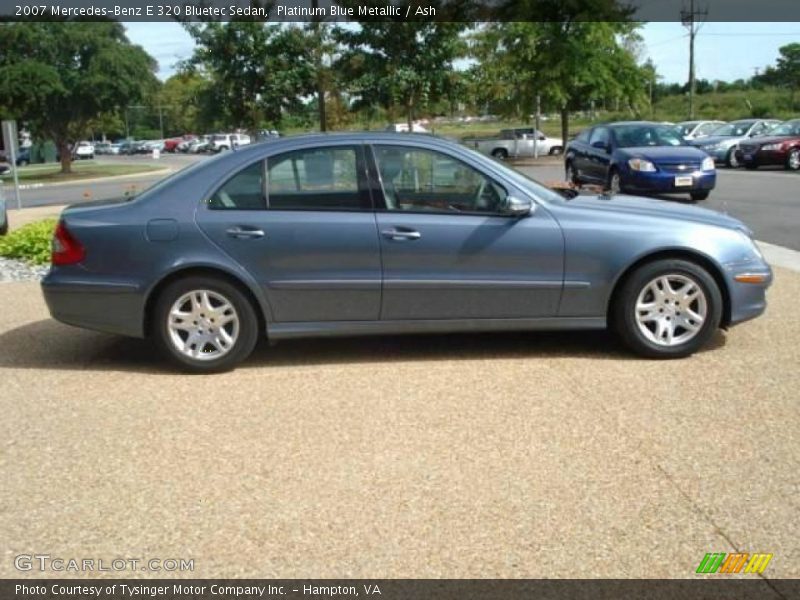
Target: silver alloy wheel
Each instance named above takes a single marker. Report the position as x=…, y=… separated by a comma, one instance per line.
x=671, y=309
x=203, y=325
x=794, y=160
x=615, y=186
x=572, y=174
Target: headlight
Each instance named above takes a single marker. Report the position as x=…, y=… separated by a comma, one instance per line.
x=772, y=146
x=708, y=164
x=640, y=164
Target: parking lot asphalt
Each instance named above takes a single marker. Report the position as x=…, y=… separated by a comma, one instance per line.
x=493, y=455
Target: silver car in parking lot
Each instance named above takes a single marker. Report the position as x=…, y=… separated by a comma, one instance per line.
x=723, y=142
x=382, y=233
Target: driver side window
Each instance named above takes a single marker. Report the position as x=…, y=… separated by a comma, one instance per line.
x=417, y=180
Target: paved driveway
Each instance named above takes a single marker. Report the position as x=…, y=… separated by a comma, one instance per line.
x=509, y=455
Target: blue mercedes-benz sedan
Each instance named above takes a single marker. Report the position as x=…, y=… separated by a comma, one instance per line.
x=640, y=157
x=383, y=233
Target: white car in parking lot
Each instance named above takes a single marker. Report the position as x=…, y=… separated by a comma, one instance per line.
x=84, y=150
x=227, y=141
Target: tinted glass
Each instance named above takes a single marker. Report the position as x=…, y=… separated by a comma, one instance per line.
x=316, y=179
x=415, y=179
x=243, y=191
x=787, y=129
x=634, y=136
x=735, y=129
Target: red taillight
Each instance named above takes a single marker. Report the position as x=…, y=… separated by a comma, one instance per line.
x=66, y=249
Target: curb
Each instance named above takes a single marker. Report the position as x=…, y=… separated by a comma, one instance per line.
x=780, y=256
x=33, y=186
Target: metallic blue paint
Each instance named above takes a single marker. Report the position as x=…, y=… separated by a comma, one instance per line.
x=332, y=272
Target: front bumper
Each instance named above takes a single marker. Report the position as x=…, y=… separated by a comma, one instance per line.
x=747, y=300
x=109, y=306
x=762, y=157
x=661, y=182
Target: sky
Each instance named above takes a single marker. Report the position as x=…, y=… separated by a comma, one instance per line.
x=724, y=51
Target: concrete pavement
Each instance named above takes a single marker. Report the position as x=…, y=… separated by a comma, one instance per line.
x=502, y=455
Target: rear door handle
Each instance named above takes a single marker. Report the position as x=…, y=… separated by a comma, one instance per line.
x=244, y=233
x=399, y=234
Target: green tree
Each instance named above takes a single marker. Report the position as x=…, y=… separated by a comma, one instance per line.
x=577, y=51
x=787, y=70
x=57, y=77
x=180, y=100
x=400, y=65
x=255, y=71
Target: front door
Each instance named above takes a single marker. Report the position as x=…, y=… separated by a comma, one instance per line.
x=448, y=250
x=311, y=242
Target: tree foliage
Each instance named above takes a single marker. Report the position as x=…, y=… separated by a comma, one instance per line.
x=401, y=65
x=255, y=71
x=59, y=76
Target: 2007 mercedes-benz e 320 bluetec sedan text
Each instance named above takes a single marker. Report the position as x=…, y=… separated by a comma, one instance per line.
x=392, y=233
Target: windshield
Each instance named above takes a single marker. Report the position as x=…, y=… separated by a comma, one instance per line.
x=737, y=128
x=636, y=136
x=687, y=127
x=788, y=128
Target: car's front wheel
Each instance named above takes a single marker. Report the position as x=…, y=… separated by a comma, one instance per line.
x=732, y=161
x=667, y=309
x=205, y=324
x=615, y=182
x=793, y=160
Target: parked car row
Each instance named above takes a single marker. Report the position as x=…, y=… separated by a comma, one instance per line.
x=656, y=158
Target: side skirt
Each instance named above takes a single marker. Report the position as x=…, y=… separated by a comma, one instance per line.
x=280, y=331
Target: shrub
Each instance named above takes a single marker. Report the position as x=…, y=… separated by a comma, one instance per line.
x=30, y=243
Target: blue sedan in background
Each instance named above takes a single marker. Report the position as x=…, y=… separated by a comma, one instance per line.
x=640, y=157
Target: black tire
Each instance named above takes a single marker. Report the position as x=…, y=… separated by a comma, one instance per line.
x=731, y=161
x=699, y=195
x=556, y=151
x=243, y=345
x=610, y=183
x=750, y=166
x=571, y=173
x=793, y=160
x=622, y=314
x=22, y=163
x=500, y=154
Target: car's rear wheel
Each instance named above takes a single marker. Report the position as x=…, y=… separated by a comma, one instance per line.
x=732, y=161
x=500, y=153
x=205, y=324
x=793, y=160
x=556, y=150
x=667, y=309
x=699, y=195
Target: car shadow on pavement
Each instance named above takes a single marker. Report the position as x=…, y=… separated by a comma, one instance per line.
x=48, y=344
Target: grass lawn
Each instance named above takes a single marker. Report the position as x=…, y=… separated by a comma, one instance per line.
x=51, y=173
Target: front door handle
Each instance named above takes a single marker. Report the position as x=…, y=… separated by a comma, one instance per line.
x=400, y=234
x=244, y=233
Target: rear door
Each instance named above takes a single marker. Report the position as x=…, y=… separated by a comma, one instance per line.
x=302, y=224
x=448, y=250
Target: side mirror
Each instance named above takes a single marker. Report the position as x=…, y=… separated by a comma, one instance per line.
x=518, y=207
x=602, y=146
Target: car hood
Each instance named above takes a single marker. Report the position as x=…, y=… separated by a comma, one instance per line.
x=713, y=140
x=665, y=154
x=775, y=139
x=651, y=207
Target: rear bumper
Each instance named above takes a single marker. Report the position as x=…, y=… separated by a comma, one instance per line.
x=109, y=306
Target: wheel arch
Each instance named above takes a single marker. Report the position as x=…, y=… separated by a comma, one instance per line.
x=207, y=271
x=680, y=254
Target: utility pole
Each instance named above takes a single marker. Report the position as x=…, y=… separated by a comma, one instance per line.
x=318, y=66
x=689, y=20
